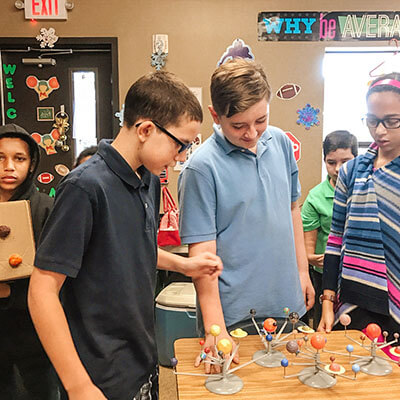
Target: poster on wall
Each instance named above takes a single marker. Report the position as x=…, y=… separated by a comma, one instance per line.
x=328, y=26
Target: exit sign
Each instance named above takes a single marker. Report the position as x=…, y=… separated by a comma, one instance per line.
x=45, y=9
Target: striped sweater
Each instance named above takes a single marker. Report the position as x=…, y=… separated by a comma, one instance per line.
x=362, y=259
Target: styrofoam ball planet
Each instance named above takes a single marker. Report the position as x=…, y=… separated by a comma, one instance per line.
x=350, y=348
x=238, y=333
x=318, y=341
x=174, y=362
x=294, y=317
x=292, y=346
x=286, y=310
x=355, y=368
x=373, y=330
x=270, y=325
x=224, y=345
x=284, y=362
x=345, y=319
x=334, y=367
x=215, y=330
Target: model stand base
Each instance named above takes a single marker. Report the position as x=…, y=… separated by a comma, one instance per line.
x=375, y=366
x=316, y=378
x=271, y=359
x=229, y=384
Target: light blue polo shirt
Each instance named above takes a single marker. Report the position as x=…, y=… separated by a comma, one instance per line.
x=243, y=201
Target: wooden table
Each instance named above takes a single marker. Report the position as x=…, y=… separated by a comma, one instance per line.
x=269, y=383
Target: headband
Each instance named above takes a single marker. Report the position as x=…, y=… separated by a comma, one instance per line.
x=390, y=82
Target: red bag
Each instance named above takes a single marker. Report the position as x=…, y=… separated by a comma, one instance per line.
x=168, y=233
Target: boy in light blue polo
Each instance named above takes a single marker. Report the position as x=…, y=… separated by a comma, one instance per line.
x=238, y=198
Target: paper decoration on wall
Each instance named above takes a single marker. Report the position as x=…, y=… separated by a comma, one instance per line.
x=195, y=145
x=45, y=113
x=160, y=51
x=62, y=126
x=296, y=145
x=9, y=71
x=238, y=49
x=288, y=91
x=47, y=37
x=164, y=177
x=198, y=92
x=42, y=87
x=308, y=116
x=45, y=178
x=47, y=141
x=61, y=169
x=120, y=115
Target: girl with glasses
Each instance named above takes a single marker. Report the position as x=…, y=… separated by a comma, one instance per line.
x=361, y=275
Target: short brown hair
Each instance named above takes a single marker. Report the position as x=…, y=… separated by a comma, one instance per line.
x=163, y=97
x=237, y=85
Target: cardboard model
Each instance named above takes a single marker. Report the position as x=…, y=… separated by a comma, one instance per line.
x=16, y=238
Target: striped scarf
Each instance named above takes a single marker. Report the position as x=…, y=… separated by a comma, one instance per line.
x=364, y=240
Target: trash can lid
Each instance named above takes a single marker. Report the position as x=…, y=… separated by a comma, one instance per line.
x=178, y=294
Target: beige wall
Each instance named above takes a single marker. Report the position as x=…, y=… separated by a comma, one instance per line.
x=199, y=32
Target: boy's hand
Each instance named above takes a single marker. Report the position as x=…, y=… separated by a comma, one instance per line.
x=203, y=264
x=86, y=392
x=308, y=290
x=5, y=290
x=317, y=260
x=210, y=343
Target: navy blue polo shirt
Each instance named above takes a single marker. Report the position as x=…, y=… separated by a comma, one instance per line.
x=101, y=234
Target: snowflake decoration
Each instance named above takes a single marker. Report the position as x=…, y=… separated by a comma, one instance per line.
x=308, y=116
x=120, y=115
x=158, y=59
x=47, y=37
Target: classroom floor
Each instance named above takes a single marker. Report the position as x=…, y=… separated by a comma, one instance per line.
x=168, y=390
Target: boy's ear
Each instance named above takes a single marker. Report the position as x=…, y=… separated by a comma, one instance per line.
x=144, y=130
x=214, y=114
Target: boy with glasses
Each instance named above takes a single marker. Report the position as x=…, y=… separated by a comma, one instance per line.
x=99, y=247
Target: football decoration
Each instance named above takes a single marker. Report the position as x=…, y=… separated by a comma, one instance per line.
x=45, y=177
x=61, y=169
x=288, y=91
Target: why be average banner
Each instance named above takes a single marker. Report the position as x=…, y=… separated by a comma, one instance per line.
x=328, y=26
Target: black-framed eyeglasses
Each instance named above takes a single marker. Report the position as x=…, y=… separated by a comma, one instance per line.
x=184, y=146
x=388, y=123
